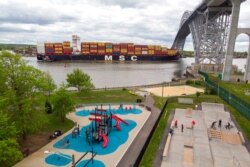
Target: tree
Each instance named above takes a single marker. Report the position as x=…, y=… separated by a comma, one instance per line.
x=48, y=84
x=21, y=85
x=62, y=102
x=9, y=148
x=80, y=80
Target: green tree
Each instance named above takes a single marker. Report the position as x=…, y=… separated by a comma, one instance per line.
x=21, y=85
x=62, y=103
x=48, y=84
x=80, y=80
x=9, y=148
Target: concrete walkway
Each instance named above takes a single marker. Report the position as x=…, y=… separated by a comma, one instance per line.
x=136, y=147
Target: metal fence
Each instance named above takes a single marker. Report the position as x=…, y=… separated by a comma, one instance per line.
x=240, y=105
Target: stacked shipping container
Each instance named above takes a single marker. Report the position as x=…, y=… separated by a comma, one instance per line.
x=157, y=50
x=85, y=48
x=58, y=48
x=66, y=48
x=164, y=50
x=100, y=48
x=116, y=49
x=151, y=50
x=49, y=48
x=131, y=49
x=171, y=52
x=137, y=49
x=93, y=48
x=144, y=50
x=109, y=48
x=124, y=48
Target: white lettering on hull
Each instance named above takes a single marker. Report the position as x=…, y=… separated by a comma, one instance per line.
x=133, y=58
x=121, y=58
x=108, y=58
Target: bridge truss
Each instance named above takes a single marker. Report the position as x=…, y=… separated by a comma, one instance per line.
x=209, y=32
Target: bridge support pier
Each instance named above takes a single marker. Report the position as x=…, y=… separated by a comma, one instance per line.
x=231, y=40
x=247, y=70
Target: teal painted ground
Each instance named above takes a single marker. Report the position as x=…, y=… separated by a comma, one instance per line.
x=116, y=138
x=85, y=113
x=96, y=163
x=58, y=159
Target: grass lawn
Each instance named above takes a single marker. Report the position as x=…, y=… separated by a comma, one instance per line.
x=150, y=153
x=108, y=96
x=41, y=138
x=239, y=89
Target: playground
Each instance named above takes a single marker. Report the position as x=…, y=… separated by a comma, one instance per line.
x=101, y=133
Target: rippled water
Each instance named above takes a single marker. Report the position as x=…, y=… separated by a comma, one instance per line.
x=121, y=74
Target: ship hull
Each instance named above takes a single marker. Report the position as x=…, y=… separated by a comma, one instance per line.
x=107, y=57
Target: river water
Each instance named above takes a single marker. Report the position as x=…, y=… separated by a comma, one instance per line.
x=119, y=74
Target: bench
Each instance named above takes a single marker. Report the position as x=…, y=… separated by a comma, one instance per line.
x=166, y=148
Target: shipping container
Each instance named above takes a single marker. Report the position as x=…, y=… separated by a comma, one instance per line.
x=151, y=52
x=124, y=45
x=131, y=49
x=49, y=48
x=109, y=51
x=157, y=48
x=101, y=44
x=172, y=52
x=67, y=51
x=138, y=49
x=98, y=50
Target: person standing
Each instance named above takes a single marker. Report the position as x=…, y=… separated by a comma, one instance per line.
x=193, y=123
x=182, y=127
x=176, y=124
x=219, y=125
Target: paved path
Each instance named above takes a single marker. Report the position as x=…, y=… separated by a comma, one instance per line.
x=136, y=147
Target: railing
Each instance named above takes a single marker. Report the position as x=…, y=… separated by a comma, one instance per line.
x=234, y=101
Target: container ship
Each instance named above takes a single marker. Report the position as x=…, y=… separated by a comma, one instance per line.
x=103, y=51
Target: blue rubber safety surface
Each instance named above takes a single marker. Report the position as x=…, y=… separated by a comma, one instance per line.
x=121, y=111
x=115, y=137
x=58, y=159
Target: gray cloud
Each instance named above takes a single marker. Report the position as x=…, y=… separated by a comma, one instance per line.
x=15, y=30
x=121, y=3
x=137, y=21
x=31, y=15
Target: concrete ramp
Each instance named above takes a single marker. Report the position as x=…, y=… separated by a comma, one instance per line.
x=231, y=138
x=215, y=134
x=212, y=107
x=188, y=156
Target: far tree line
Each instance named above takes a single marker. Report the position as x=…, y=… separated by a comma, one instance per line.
x=236, y=54
x=26, y=96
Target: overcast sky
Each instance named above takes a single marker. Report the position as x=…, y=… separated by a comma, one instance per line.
x=137, y=21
